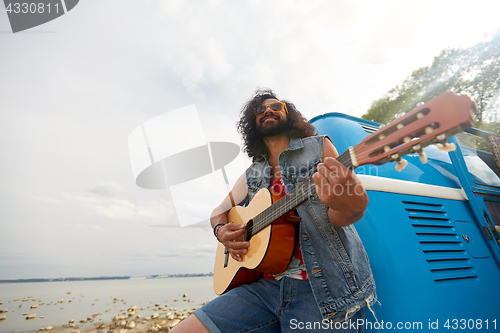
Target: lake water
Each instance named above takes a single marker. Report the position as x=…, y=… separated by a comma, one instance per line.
x=96, y=296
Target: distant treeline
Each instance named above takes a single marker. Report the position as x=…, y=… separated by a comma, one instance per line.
x=474, y=71
x=101, y=278
x=67, y=279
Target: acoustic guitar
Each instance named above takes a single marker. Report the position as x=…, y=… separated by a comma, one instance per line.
x=269, y=226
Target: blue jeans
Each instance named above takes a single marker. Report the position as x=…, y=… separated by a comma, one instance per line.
x=287, y=305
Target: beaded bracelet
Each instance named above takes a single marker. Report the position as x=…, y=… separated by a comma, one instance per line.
x=216, y=229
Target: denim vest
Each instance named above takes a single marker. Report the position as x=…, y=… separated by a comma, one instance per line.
x=337, y=265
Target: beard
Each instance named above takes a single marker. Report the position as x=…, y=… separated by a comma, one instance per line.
x=273, y=129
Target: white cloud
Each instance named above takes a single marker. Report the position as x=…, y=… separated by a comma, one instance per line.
x=119, y=210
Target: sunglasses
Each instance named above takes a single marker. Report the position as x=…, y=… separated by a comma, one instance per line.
x=276, y=107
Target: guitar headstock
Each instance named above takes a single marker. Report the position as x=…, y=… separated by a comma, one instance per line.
x=433, y=122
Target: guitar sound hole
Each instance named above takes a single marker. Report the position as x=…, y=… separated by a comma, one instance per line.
x=249, y=230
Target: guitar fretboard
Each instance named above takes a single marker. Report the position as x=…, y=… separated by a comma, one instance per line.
x=345, y=159
x=289, y=202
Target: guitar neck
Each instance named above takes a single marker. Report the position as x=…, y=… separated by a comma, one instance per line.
x=345, y=159
x=289, y=202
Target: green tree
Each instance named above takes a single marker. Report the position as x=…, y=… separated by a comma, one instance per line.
x=474, y=71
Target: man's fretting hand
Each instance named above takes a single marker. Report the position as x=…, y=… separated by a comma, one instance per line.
x=340, y=189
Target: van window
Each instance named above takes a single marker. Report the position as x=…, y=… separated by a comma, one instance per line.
x=479, y=160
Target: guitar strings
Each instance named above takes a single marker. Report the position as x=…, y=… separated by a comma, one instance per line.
x=345, y=159
x=424, y=141
x=300, y=194
x=286, y=204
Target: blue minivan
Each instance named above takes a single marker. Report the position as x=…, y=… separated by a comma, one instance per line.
x=431, y=232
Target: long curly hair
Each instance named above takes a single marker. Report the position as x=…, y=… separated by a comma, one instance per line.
x=297, y=125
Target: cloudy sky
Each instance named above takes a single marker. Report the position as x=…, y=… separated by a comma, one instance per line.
x=74, y=89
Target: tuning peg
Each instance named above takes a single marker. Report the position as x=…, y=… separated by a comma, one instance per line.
x=401, y=164
x=418, y=149
x=441, y=137
x=447, y=147
x=423, y=157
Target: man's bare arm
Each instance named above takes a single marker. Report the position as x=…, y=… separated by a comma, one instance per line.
x=227, y=233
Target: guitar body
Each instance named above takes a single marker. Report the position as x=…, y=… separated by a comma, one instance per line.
x=270, y=249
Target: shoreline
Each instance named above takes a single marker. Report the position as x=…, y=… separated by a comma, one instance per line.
x=132, y=321
x=101, y=278
x=157, y=322
x=147, y=305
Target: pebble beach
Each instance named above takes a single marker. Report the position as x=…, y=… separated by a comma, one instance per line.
x=133, y=319
x=109, y=314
